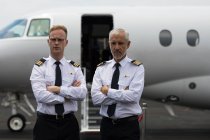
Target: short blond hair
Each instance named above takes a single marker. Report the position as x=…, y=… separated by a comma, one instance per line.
x=56, y=27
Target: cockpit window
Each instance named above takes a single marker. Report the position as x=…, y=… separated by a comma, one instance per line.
x=15, y=29
x=39, y=27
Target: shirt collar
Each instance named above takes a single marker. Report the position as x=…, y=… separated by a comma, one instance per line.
x=122, y=62
x=52, y=60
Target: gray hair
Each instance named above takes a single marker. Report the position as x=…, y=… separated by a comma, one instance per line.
x=117, y=31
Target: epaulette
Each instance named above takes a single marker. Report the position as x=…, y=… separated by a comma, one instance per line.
x=101, y=64
x=74, y=64
x=136, y=62
x=40, y=62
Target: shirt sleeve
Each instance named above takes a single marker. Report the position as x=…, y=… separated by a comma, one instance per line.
x=133, y=92
x=75, y=93
x=98, y=97
x=39, y=87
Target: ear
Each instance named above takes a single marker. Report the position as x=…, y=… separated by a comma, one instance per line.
x=129, y=43
x=66, y=42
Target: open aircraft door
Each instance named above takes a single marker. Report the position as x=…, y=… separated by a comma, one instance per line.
x=94, y=49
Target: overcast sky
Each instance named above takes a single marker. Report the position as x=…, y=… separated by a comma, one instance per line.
x=11, y=9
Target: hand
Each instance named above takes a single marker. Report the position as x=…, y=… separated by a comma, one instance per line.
x=76, y=83
x=53, y=89
x=105, y=89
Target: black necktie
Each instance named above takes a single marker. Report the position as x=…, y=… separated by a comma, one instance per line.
x=114, y=85
x=59, y=108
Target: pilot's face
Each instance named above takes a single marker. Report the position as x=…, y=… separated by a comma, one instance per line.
x=57, y=42
x=118, y=45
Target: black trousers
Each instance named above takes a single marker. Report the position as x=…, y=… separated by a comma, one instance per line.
x=125, y=129
x=49, y=128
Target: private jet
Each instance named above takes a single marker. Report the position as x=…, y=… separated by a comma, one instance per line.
x=171, y=41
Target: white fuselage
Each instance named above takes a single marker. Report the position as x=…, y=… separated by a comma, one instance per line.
x=178, y=70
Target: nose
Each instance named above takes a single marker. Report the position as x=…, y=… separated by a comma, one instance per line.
x=116, y=46
x=57, y=41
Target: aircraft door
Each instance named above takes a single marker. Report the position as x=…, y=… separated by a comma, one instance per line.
x=94, y=49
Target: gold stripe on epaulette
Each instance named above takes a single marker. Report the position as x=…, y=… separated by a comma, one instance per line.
x=136, y=62
x=101, y=64
x=40, y=62
x=74, y=64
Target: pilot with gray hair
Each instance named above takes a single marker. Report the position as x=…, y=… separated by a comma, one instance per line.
x=117, y=87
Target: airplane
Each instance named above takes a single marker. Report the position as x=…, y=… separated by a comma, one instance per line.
x=171, y=41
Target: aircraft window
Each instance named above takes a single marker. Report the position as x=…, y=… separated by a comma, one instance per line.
x=39, y=27
x=165, y=38
x=15, y=29
x=193, y=38
x=192, y=85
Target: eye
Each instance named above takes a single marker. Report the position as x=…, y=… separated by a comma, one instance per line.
x=52, y=39
x=113, y=43
x=57, y=39
x=120, y=43
x=117, y=43
x=60, y=39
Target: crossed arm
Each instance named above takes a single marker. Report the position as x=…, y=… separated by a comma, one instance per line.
x=56, y=89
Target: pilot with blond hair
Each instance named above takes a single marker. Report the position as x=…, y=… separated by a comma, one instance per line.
x=57, y=85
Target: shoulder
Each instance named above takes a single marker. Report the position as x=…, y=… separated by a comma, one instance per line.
x=74, y=64
x=40, y=62
x=103, y=63
x=136, y=62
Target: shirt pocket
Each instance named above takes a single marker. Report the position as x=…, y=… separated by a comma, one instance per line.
x=68, y=79
x=124, y=82
x=49, y=80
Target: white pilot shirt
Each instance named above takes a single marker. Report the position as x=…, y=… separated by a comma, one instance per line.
x=127, y=97
x=44, y=75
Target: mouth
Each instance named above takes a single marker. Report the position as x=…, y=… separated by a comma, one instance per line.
x=117, y=53
x=56, y=48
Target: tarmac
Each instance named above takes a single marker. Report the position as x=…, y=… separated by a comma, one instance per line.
x=185, y=124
